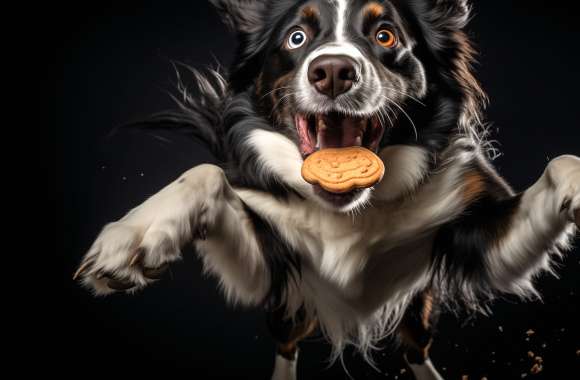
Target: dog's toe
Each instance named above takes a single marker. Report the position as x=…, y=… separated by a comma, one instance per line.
x=155, y=273
x=120, y=285
x=84, y=268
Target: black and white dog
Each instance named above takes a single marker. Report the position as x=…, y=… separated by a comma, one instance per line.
x=393, y=76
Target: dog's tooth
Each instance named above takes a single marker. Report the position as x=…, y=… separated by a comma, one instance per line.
x=320, y=130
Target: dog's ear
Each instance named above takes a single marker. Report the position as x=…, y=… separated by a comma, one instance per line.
x=451, y=14
x=442, y=24
x=241, y=16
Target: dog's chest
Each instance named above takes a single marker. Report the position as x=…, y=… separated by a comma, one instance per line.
x=387, y=244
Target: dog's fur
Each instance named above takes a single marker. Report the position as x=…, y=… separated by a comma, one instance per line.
x=441, y=227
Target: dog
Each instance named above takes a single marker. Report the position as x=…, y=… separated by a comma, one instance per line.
x=441, y=228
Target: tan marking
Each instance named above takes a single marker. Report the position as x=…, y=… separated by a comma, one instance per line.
x=414, y=335
x=427, y=309
x=299, y=332
x=288, y=350
x=310, y=12
x=473, y=186
x=374, y=10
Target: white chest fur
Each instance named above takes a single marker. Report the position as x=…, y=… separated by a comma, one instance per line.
x=389, y=242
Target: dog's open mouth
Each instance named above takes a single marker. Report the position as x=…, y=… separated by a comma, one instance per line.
x=335, y=130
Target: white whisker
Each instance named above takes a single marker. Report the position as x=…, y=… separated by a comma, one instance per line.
x=406, y=114
x=401, y=92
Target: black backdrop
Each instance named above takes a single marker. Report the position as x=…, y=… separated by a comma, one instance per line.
x=107, y=63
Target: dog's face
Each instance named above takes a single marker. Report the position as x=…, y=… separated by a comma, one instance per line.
x=335, y=73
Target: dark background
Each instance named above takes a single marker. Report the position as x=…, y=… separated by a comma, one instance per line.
x=105, y=63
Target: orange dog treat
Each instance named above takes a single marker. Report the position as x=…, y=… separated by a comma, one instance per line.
x=340, y=170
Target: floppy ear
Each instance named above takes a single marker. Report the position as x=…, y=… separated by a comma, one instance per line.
x=241, y=16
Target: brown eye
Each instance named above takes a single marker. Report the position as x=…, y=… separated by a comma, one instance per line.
x=386, y=38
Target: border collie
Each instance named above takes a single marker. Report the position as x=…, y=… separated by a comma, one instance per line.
x=442, y=227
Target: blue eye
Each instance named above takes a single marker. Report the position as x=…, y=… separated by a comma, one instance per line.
x=296, y=39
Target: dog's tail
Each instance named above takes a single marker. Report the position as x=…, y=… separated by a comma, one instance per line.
x=199, y=110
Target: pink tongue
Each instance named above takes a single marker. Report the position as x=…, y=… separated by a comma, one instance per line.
x=346, y=134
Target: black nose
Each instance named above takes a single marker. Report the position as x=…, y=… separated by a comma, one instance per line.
x=332, y=75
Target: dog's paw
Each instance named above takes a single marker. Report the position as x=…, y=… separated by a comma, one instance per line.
x=564, y=173
x=127, y=257
x=136, y=250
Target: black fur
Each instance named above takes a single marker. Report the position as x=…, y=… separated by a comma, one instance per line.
x=283, y=262
x=418, y=326
x=199, y=112
x=461, y=246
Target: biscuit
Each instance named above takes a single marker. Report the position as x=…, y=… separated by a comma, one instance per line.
x=340, y=170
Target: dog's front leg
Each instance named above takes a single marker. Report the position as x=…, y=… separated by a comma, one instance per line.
x=200, y=206
x=501, y=241
x=542, y=222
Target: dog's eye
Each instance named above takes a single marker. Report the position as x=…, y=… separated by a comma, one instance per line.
x=386, y=38
x=297, y=38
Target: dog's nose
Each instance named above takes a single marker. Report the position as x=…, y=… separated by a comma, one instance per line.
x=332, y=75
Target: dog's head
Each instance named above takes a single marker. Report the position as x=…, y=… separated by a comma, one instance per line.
x=340, y=73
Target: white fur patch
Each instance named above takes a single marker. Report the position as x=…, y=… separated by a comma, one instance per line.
x=405, y=167
x=341, y=9
x=284, y=369
x=280, y=156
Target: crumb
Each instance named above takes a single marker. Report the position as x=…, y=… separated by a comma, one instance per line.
x=531, y=354
x=524, y=375
x=530, y=332
x=577, y=352
x=464, y=377
x=500, y=328
x=403, y=371
x=539, y=359
x=484, y=378
x=537, y=368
